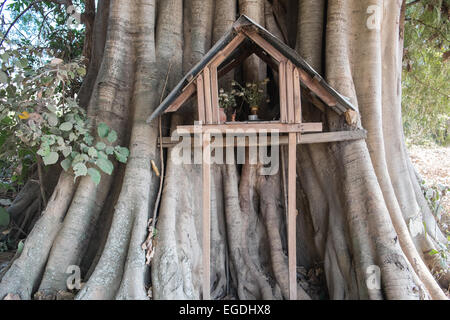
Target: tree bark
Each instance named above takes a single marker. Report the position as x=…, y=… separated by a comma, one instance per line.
x=355, y=199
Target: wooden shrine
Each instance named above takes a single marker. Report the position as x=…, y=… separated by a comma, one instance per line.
x=296, y=80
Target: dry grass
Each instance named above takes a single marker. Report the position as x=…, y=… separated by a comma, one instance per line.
x=433, y=164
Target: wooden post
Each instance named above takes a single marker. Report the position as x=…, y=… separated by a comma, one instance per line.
x=206, y=218
x=290, y=91
x=214, y=94
x=200, y=99
x=283, y=92
x=292, y=215
x=297, y=97
x=208, y=101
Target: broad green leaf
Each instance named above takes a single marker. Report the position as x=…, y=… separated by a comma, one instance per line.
x=112, y=136
x=51, y=158
x=102, y=155
x=80, y=158
x=60, y=141
x=67, y=151
x=70, y=117
x=84, y=148
x=49, y=139
x=51, y=108
x=52, y=119
x=23, y=63
x=433, y=252
x=72, y=136
x=95, y=175
x=66, y=126
x=121, y=154
x=105, y=165
x=3, y=77
x=103, y=130
x=44, y=150
x=65, y=164
x=92, y=152
x=81, y=71
x=4, y=218
x=101, y=146
x=80, y=169
x=74, y=154
x=88, y=139
x=109, y=150
x=20, y=247
x=4, y=57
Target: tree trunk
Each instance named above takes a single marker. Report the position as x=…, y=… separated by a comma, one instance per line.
x=355, y=199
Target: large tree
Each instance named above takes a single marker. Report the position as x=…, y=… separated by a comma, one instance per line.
x=355, y=199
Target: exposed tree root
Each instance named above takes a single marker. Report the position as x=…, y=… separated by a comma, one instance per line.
x=24, y=275
x=355, y=199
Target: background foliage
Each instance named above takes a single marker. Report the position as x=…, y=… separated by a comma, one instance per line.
x=426, y=82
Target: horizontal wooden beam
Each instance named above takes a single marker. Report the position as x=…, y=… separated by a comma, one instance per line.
x=337, y=136
x=280, y=127
x=310, y=138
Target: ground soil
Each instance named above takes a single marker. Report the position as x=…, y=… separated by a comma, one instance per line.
x=433, y=165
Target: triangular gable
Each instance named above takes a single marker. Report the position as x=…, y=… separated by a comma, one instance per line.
x=245, y=30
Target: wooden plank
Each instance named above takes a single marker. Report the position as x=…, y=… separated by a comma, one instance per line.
x=266, y=58
x=235, y=62
x=283, y=98
x=229, y=48
x=214, y=94
x=201, y=99
x=314, y=86
x=188, y=91
x=297, y=97
x=327, y=137
x=292, y=216
x=281, y=127
x=309, y=138
x=290, y=92
x=206, y=218
x=207, y=88
x=311, y=97
x=277, y=55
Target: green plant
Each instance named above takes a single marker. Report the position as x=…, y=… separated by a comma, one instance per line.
x=3, y=246
x=227, y=100
x=41, y=121
x=434, y=195
x=426, y=70
x=443, y=254
x=252, y=93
